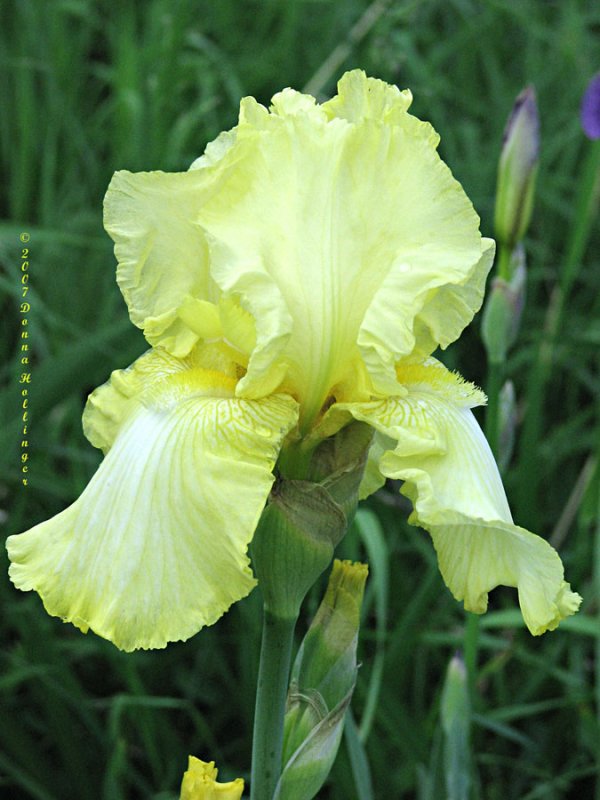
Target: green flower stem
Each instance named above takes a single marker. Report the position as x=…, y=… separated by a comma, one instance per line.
x=503, y=266
x=470, y=649
x=495, y=379
x=294, y=461
x=271, y=693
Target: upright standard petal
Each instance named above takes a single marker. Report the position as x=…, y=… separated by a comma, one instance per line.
x=163, y=258
x=452, y=480
x=353, y=265
x=155, y=547
x=336, y=231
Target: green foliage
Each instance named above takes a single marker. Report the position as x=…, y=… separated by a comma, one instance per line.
x=85, y=90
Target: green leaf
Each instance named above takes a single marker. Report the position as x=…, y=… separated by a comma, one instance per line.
x=372, y=535
x=359, y=762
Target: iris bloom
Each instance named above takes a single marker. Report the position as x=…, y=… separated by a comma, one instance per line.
x=298, y=277
x=200, y=783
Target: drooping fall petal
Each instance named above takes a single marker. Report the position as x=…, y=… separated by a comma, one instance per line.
x=155, y=547
x=453, y=482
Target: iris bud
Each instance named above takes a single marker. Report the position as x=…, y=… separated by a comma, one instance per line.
x=455, y=713
x=517, y=170
x=322, y=683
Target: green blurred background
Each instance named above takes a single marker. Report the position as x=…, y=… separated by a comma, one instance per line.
x=87, y=88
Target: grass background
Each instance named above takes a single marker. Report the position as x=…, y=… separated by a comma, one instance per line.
x=85, y=90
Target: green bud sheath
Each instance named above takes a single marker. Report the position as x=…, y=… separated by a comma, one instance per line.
x=503, y=309
x=304, y=520
x=294, y=543
x=339, y=462
x=310, y=764
x=495, y=326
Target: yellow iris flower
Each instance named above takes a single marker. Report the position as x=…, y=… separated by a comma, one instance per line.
x=200, y=783
x=298, y=277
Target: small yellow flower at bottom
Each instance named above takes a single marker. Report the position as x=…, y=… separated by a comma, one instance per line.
x=200, y=783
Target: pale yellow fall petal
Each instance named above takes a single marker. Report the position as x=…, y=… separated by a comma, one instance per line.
x=108, y=406
x=156, y=546
x=452, y=480
x=372, y=479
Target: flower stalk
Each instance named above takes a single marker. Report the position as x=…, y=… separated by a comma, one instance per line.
x=294, y=543
x=271, y=693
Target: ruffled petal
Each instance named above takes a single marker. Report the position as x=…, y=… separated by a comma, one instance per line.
x=155, y=547
x=109, y=405
x=336, y=229
x=338, y=266
x=372, y=479
x=163, y=255
x=360, y=98
x=450, y=308
x=452, y=480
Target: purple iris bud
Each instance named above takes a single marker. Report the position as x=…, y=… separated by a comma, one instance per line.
x=590, y=109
